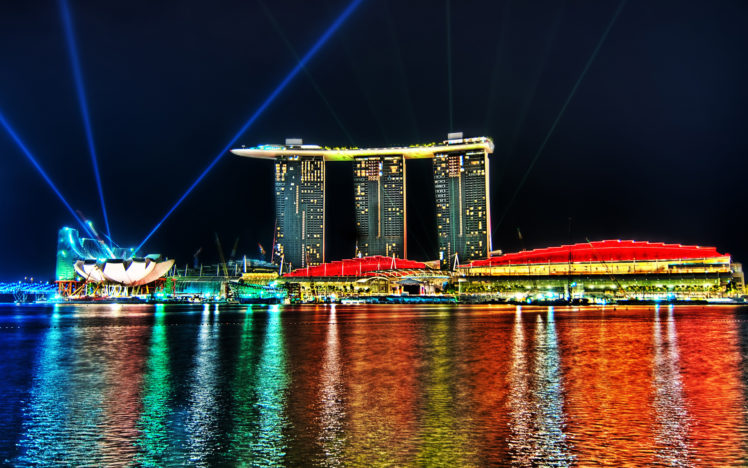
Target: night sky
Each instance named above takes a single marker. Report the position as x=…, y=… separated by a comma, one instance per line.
x=651, y=147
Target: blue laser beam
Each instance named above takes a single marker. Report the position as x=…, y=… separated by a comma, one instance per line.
x=291, y=75
x=78, y=77
x=561, y=112
x=41, y=171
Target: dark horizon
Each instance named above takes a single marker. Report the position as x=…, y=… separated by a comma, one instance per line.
x=650, y=147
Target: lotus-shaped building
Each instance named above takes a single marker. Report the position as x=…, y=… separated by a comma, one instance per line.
x=131, y=272
x=96, y=262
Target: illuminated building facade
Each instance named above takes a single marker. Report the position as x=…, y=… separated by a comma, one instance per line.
x=300, y=209
x=379, y=193
x=460, y=177
x=620, y=269
x=462, y=204
x=93, y=261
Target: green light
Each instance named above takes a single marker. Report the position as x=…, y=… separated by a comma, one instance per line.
x=243, y=391
x=49, y=408
x=154, y=439
x=259, y=389
x=268, y=446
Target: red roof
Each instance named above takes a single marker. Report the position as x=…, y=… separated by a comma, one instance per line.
x=602, y=251
x=365, y=266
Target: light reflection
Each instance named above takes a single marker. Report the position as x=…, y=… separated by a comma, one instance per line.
x=637, y=385
x=202, y=421
x=333, y=412
x=123, y=355
x=268, y=444
x=536, y=400
x=485, y=356
x=382, y=388
x=157, y=390
x=87, y=377
x=519, y=405
x=608, y=386
x=551, y=445
x=442, y=440
x=712, y=386
x=45, y=433
x=243, y=392
x=670, y=412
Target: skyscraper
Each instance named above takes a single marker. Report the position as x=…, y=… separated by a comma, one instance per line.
x=300, y=209
x=379, y=193
x=462, y=204
x=460, y=180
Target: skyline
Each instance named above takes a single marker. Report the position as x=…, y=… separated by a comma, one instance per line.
x=649, y=147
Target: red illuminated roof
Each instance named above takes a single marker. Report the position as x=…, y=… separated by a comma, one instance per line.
x=603, y=251
x=365, y=266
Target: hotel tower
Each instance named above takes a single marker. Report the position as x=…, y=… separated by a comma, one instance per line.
x=379, y=194
x=463, y=218
x=461, y=189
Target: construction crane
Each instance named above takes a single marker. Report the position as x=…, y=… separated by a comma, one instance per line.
x=233, y=249
x=220, y=255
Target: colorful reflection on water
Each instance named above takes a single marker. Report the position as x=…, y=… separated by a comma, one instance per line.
x=373, y=385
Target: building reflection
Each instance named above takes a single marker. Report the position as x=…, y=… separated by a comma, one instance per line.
x=608, y=379
x=85, y=395
x=443, y=438
x=124, y=349
x=332, y=435
x=551, y=445
x=268, y=445
x=44, y=440
x=536, y=398
x=366, y=385
x=712, y=386
x=242, y=392
x=381, y=372
x=202, y=420
x=153, y=425
x=487, y=361
x=671, y=417
x=519, y=403
x=305, y=351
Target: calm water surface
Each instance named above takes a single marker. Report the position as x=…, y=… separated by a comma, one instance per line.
x=373, y=385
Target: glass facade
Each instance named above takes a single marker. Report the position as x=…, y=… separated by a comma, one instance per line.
x=379, y=194
x=66, y=254
x=462, y=205
x=300, y=209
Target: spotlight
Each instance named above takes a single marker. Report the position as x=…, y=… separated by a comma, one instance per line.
x=44, y=175
x=291, y=75
x=75, y=64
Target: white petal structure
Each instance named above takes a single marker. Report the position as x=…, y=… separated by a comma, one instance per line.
x=89, y=270
x=159, y=270
x=134, y=272
x=140, y=268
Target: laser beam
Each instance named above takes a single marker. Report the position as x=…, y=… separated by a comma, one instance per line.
x=78, y=77
x=41, y=171
x=312, y=81
x=265, y=104
x=561, y=112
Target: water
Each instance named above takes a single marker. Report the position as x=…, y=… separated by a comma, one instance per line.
x=373, y=385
